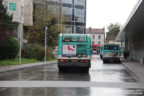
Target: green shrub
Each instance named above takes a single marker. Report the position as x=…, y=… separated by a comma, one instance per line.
x=9, y=49
x=33, y=51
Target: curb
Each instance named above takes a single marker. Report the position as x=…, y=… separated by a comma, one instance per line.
x=131, y=72
x=17, y=67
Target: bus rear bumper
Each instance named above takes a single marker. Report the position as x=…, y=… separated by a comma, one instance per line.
x=71, y=63
x=111, y=59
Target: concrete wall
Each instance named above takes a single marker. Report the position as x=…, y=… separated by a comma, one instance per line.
x=135, y=44
x=138, y=52
x=133, y=33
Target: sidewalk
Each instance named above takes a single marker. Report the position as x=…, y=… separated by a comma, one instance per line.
x=16, y=67
x=136, y=68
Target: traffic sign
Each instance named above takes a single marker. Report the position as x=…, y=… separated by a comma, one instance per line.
x=12, y=6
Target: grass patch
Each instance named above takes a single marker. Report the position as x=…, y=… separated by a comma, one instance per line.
x=8, y=62
x=16, y=61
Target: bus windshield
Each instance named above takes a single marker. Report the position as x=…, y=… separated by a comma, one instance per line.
x=111, y=47
x=70, y=38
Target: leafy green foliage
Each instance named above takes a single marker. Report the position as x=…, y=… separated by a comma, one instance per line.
x=36, y=33
x=35, y=51
x=6, y=24
x=9, y=49
x=113, y=29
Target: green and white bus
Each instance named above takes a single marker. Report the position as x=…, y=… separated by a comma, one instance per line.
x=111, y=52
x=101, y=52
x=74, y=51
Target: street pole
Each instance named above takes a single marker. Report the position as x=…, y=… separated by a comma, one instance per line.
x=20, y=31
x=20, y=40
x=45, y=41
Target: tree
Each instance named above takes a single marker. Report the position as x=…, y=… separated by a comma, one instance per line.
x=36, y=33
x=113, y=29
x=6, y=24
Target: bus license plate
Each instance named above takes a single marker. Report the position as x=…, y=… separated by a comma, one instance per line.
x=111, y=55
x=74, y=60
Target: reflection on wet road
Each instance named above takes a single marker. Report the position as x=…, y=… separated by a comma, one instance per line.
x=93, y=91
x=98, y=72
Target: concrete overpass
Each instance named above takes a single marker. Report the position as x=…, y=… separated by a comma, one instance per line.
x=132, y=33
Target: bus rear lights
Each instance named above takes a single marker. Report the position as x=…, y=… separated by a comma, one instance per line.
x=84, y=61
x=63, y=60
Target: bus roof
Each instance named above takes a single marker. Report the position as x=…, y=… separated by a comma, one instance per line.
x=74, y=34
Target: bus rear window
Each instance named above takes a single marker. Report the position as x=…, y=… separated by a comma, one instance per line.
x=111, y=47
x=74, y=39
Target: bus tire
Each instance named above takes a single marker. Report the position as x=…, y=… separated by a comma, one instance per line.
x=104, y=61
x=118, y=61
x=101, y=56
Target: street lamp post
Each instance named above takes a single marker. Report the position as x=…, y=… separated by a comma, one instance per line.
x=45, y=41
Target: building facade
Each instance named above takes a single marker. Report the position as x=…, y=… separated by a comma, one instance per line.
x=132, y=33
x=97, y=35
x=72, y=14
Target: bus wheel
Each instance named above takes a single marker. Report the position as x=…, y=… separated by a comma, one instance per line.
x=101, y=56
x=118, y=61
x=104, y=61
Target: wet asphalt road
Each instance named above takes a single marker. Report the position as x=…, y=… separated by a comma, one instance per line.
x=109, y=80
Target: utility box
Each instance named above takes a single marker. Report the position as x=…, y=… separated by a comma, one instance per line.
x=142, y=60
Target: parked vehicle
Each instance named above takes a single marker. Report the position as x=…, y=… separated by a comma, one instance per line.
x=101, y=52
x=111, y=52
x=74, y=51
x=94, y=48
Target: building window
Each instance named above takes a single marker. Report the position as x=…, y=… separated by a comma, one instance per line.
x=67, y=13
x=79, y=29
x=67, y=1
x=93, y=36
x=54, y=0
x=79, y=15
x=99, y=42
x=99, y=37
x=80, y=2
x=92, y=42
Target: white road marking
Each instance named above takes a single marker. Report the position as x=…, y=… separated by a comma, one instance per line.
x=69, y=84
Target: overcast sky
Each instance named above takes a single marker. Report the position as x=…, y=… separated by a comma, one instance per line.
x=100, y=13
